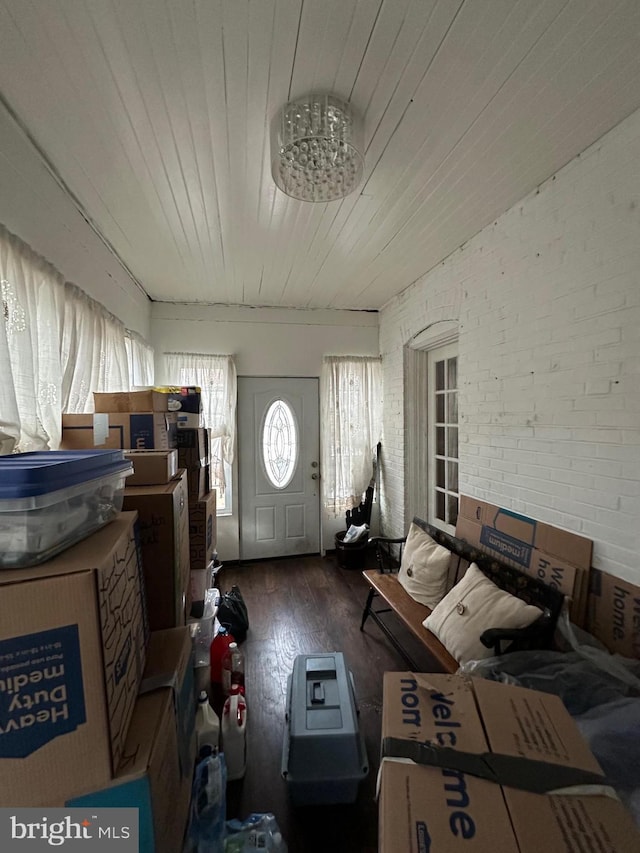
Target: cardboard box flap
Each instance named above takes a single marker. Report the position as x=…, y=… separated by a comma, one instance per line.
x=538, y=727
x=168, y=656
x=523, y=532
x=452, y=719
x=571, y=824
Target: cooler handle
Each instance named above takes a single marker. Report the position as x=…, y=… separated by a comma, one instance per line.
x=317, y=693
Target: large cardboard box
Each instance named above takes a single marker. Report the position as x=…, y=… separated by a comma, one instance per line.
x=120, y=431
x=152, y=467
x=613, y=613
x=193, y=447
x=164, y=539
x=447, y=808
x=199, y=483
x=146, y=400
x=557, y=557
x=72, y=653
x=159, y=756
x=202, y=531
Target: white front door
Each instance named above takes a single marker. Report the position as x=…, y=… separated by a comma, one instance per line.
x=278, y=465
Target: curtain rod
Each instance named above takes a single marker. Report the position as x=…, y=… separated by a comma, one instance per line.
x=202, y=354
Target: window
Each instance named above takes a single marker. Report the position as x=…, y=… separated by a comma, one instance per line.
x=351, y=428
x=215, y=375
x=443, y=436
x=280, y=444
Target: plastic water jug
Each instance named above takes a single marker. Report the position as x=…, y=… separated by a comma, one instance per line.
x=219, y=646
x=207, y=724
x=234, y=735
x=233, y=670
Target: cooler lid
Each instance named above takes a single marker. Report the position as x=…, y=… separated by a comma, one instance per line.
x=24, y=475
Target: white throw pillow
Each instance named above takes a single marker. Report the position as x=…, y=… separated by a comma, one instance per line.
x=473, y=605
x=424, y=567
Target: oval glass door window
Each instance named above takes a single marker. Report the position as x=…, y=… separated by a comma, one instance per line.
x=280, y=444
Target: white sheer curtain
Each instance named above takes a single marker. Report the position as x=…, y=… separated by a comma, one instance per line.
x=216, y=376
x=32, y=295
x=57, y=346
x=94, y=355
x=351, y=405
x=140, y=360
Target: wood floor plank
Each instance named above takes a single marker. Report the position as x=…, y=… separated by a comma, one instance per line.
x=305, y=606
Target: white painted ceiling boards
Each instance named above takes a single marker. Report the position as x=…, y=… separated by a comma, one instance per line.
x=155, y=114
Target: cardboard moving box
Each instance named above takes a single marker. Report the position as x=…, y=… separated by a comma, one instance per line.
x=445, y=808
x=164, y=539
x=120, y=431
x=159, y=755
x=557, y=557
x=72, y=653
x=613, y=613
x=152, y=467
x=202, y=531
x=193, y=447
x=146, y=400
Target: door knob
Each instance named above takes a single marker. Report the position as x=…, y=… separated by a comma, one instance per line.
x=315, y=476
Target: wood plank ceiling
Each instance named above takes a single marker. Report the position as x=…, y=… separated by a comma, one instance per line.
x=155, y=115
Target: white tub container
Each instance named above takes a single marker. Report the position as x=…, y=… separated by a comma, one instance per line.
x=49, y=500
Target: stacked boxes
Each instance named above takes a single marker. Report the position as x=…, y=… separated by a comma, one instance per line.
x=497, y=767
x=152, y=467
x=185, y=401
x=95, y=711
x=73, y=638
x=157, y=764
x=164, y=539
x=120, y=430
x=193, y=454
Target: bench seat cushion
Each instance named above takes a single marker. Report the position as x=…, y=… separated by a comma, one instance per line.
x=472, y=606
x=424, y=567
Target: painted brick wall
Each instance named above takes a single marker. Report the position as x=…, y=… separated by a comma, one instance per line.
x=548, y=304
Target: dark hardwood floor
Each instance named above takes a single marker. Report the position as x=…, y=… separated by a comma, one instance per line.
x=303, y=606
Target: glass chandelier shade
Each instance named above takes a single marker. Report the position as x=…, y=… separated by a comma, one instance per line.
x=316, y=148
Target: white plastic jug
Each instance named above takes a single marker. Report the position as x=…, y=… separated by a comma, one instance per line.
x=207, y=724
x=234, y=735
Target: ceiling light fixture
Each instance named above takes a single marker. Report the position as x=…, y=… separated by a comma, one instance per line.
x=316, y=148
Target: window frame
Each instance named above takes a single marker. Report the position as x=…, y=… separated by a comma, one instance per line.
x=443, y=425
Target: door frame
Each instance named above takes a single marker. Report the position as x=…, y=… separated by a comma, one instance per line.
x=267, y=378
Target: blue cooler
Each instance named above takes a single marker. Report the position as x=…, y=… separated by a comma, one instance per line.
x=51, y=499
x=324, y=757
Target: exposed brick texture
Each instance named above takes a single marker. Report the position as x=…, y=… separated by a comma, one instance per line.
x=548, y=304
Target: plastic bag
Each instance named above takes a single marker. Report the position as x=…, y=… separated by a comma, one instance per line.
x=207, y=830
x=584, y=675
x=613, y=734
x=233, y=614
x=356, y=533
x=257, y=832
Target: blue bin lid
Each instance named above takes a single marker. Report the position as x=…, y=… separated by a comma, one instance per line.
x=25, y=475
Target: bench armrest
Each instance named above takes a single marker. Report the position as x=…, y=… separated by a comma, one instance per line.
x=385, y=540
x=531, y=637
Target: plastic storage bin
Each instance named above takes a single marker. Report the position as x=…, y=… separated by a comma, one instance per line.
x=49, y=500
x=324, y=757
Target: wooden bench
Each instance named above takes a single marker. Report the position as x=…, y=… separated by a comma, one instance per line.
x=384, y=584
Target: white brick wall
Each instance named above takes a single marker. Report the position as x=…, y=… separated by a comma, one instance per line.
x=548, y=304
